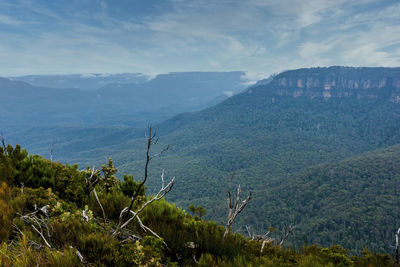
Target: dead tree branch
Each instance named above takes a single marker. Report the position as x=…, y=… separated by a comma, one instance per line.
x=288, y=231
x=3, y=142
x=101, y=206
x=91, y=186
x=39, y=224
x=128, y=235
x=135, y=215
x=397, y=246
x=52, y=149
x=79, y=255
x=41, y=234
x=234, y=208
x=91, y=180
x=251, y=235
x=261, y=238
x=151, y=140
x=265, y=239
x=163, y=191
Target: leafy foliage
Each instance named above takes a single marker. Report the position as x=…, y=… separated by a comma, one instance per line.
x=78, y=236
x=198, y=211
x=129, y=186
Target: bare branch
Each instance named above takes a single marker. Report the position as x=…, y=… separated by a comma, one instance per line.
x=234, y=208
x=159, y=153
x=101, y=206
x=3, y=142
x=135, y=215
x=151, y=140
x=147, y=229
x=89, y=183
x=18, y=230
x=52, y=149
x=397, y=245
x=266, y=239
x=80, y=257
x=251, y=235
x=163, y=191
x=131, y=237
x=288, y=231
x=91, y=186
x=41, y=234
x=144, y=227
x=266, y=234
x=230, y=206
x=37, y=223
x=261, y=238
x=194, y=258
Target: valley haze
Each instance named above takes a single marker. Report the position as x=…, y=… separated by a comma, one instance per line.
x=334, y=122
x=281, y=119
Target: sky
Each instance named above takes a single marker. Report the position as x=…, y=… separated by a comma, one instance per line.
x=260, y=37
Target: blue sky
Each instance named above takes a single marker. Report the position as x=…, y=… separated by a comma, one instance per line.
x=261, y=37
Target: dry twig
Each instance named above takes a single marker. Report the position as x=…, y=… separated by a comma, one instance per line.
x=234, y=208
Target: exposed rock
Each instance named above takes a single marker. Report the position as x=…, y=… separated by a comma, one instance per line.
x=338, y=82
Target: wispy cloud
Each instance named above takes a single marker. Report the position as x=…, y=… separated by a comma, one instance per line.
x=9, y=20
x=161, y=36
x=250, y=78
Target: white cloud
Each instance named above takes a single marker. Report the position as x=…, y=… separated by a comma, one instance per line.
x=254, y=35
x=314, y=49
x=88, y=75
x=250, y=78
x=150, y=76
x=228, y=93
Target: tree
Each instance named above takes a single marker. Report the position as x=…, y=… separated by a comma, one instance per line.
x=234, y=208
x=199, y=210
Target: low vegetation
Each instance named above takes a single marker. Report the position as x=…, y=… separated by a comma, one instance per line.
x=57, y=215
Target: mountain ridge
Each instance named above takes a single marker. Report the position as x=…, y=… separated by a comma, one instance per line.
x=337, y=82
x=130, y=105
x=261, y=135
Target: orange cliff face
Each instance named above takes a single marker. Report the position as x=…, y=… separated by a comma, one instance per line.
x=311, y=82
x=333, y=82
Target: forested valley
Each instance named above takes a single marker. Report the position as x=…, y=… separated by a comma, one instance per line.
x=57, y=215
x=316, y=150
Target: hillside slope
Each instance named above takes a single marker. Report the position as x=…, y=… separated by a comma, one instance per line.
x=56, y=218
x=269, y=133
x=354, y=202
x=266, y=135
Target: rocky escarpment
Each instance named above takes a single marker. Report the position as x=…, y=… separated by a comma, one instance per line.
x=338, y=82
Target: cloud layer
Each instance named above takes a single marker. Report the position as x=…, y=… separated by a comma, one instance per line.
x=84, y=36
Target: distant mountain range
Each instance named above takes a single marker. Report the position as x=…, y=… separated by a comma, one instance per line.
x=318, y=148
x=119, y=102
x=92, y=81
